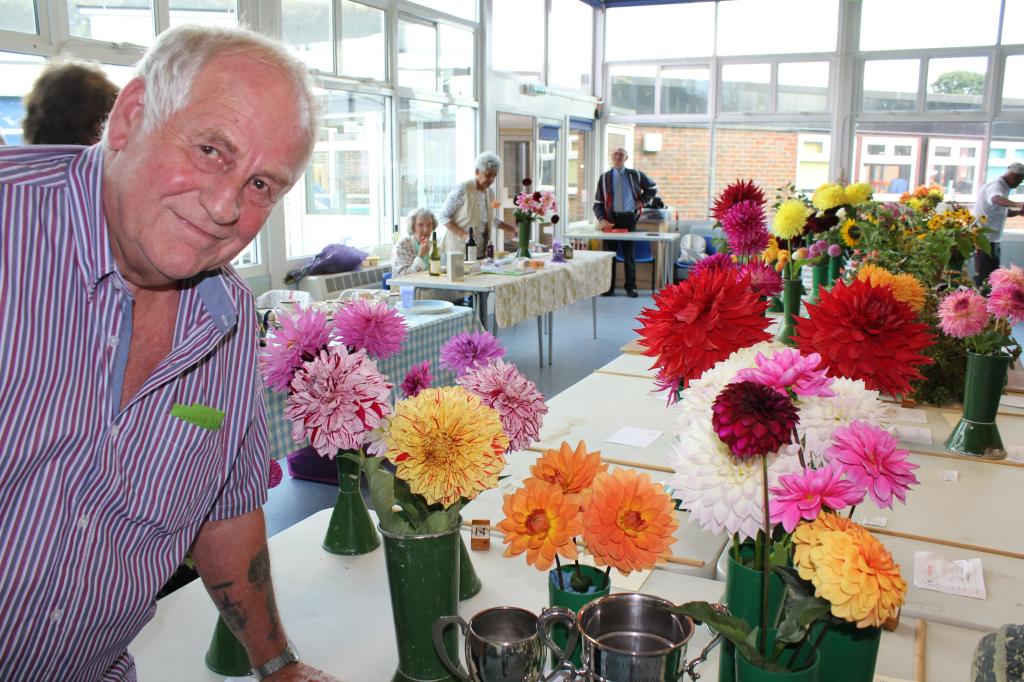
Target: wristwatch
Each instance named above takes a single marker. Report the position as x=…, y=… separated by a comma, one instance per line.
x=286, y=657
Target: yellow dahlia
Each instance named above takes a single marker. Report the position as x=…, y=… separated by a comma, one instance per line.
x=904, y=287
x=807, y=536
x=541, y=521
x=858, y=193
x=850, y=233
x=828, y=196
x=571, y=470
x=772, y=252
x=446, y=445
x=628, y=521
x=790, y=219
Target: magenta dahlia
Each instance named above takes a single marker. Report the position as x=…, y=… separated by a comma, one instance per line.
x=753, y=419
x=787, y=370
x=1007, y=303
x=1007, y=275
x=741, y=190
x=869, y=457
x=718, y=261
x=373, y=327
x=962, y=314
x=417, y=379
x=275, y=474
x=515, y=398
x=764, y=279
x=465, y=351
x=744, y=229
x=301, y=337
x=802, y=496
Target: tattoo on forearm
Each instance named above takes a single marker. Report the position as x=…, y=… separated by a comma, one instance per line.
x=259, y=576
x=222, y=586
x=231, y=611
x=275, y=629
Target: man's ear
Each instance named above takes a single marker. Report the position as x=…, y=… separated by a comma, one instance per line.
x=126, y=116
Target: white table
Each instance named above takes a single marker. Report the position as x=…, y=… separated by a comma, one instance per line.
x=666, y=244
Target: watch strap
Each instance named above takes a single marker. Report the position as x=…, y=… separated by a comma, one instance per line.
x=286, y=657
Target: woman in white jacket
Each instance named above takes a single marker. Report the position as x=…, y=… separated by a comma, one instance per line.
x=469, y=205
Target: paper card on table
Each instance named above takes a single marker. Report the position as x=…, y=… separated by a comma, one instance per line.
x=1015, y=453
x=963, y=577
x=631, y=435
x=951, y=475
x=876, y=521
x=907, y=415
x=1012, y=401
x=632, y=582
x=913, y=434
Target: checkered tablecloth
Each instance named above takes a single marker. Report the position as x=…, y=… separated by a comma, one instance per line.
x=427, y=333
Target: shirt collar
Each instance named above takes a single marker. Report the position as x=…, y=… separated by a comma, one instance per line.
x=213, y=292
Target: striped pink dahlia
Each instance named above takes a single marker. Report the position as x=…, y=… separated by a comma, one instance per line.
x=515, y=398
x=962, y=314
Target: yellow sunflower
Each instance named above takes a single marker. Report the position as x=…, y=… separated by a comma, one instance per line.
x=790, y=219
x=850, y=233
x=446, y=445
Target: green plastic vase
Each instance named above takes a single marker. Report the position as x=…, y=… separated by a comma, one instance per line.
x=819, y=280
x=834, y=263
x=791, y=291
x=350, y=530
x=226, y=655
x=775, y=304
x=423, y=578
x=847, y=652
x=573, y=601
x=743, y=589
x=525, y=228
x=469, y=581
x=976, y=434
x=748, y=672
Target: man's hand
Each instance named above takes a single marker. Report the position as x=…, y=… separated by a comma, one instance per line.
x=605, y=224
x=300, y=672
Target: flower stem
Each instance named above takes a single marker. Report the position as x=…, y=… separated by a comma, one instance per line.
x=763, y=635
x=799, y=450
x=852, y=508
x=607, y=577
x=736, y=547
x=558, y=567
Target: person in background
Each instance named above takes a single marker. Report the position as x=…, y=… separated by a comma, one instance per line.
x=68, y=104
x=618, y=202
x=993, y=204
x=409, y=254
x=157, y=443
x=469, y=205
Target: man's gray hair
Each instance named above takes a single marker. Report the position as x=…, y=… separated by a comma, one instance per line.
x=170, y=66
x=488, y=162
x=421, y=213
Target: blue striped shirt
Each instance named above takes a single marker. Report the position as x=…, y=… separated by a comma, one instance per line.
x=99, y=504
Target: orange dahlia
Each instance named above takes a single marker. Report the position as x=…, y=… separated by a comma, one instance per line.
x=807, y=536
x=541, y=521
x=571, y=470
x=904, y=287
x=628, y=521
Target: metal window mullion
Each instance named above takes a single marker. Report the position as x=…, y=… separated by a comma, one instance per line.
x=922, y=85
x=161, y=16
x=773, y=87
x=336, y=33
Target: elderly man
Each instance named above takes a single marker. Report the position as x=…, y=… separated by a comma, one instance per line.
x=993, y=204
x=130, y=401
x=618, y=202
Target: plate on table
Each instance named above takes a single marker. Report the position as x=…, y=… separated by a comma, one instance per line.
x=427, y=307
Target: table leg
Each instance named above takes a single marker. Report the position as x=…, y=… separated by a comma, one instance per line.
x=593, y=312
x=540, y=339
x=551, y=334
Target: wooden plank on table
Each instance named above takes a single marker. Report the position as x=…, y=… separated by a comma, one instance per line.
x=631, y=375
x=633, y=348
x=948, y=543
x=964, y=458
x=617, y=462
x=920, y=640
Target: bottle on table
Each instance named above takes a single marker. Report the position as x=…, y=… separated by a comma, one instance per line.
x=394, y=235
x=490, y=250
x=435, y=256
x=470, y=247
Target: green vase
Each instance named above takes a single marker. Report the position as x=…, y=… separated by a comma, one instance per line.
x=226, y=655
x=423, y=578
x=819, y=279
x=834, y=263
x=743, y=589
x=525, y=230
x=469, y=581
x=350, y=530
x=846, y=652
x=748, y=672
x=775, y=304
x=977, y=434
x=574, y=601
x=791, y=291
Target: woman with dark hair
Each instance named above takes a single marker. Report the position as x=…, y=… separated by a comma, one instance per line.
x=68, y=104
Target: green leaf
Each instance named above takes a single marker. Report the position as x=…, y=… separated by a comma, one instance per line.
x=984, y=244
x=963, y=245
x=800, y=587
x=732, y=628
x=382, y=492
x=809, y=610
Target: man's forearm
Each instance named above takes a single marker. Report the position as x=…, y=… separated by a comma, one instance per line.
x=232, y=559
x=454, y=228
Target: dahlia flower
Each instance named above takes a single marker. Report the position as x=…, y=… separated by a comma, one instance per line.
x=700, y=394
x=829, y=195
x=858, y=193
x=821, y=222
x=542, y=521
x=788, y=370
x=373, y=327
x=808, y=536
x=744, y=229
x=275, y=474
x=1007, y=303
x=571, y=470
x=699, y=322
x=739, y=191
x=834, y=250
x=336, y=398
x=904, y=287
x=466, y=350
x=869, y=456
x=1007, y=275
x=863, y=332
x=802, y=496
x=301, y=337
x=376, y=441
x=819, y=417
x=818, y=248
x=520, y=405
x=963, y=313
x=718, y=261
x=628, y=521
x=753, y=419
x=764, y=280
x=446, y=445
x=416, y=379
x=790, y=219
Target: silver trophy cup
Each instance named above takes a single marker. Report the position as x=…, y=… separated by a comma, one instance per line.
x=502, y=645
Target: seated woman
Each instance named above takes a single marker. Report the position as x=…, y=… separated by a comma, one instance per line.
x=409, y=254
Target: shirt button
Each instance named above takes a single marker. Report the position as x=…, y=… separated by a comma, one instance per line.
x=224, y=320
x=114, y=431
x=83, y=522
x=112, y=342
x=56, y=615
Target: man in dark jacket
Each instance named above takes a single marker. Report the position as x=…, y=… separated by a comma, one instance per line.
x=620, y=197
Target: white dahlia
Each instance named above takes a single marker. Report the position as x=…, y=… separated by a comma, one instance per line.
x=819, y=417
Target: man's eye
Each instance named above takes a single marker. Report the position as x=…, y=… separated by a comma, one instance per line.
x=208, y=150
x=260, y=185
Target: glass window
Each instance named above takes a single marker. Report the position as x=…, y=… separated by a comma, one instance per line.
x=1006, y=146
x=547, y=156
x=746, y=87
x=755, y=26
x=456, y=60
x=465, y=9
x=891, y=85
x=436, y=151
x=250, y=255
x=802, y=86
x=578, y=203
x=205, y=13
x=1013, y=83
x=343, y=196
x=417, y=54
x=112, y=22
x=954, y=165
x=571, y=45
x=684, y=91
x=915, y=24
x=518, y=37
x=363, y=47
x=956, y=84
x=632, y=89
x=1013, y=22
x=660, y=31
x=306, y=31
x=19, y=15
x=772, y=154
x=681, y=168
x=19, y=73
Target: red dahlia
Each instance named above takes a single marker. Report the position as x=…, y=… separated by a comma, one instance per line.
x=863, y=332
x=753, y=419
x=741, y=190
x=699, y=322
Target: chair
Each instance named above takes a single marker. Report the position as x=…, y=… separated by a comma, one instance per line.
x=384, y=284
x=683, y=268
x=642, y=253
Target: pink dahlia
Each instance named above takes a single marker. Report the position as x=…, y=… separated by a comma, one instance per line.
x=802, y=496
x=276, y=474
x=764, y=279
x=1007, y=302
x=336, y=398
x=869, y=457
x=962, y=314
x=752, y=419
x=787, y=370
x=373, y=327
x=417, y=379
x=466, y=351
x=1009, y=275
x=301, y=337
x=737, y=192
x=717, y=262
x=515, y=398
x=744, y=228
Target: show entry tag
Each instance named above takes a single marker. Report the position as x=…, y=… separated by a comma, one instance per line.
x=202, y=416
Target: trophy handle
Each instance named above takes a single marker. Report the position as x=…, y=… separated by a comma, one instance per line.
x=548, y=617
x=691, y=667
x=440, y=625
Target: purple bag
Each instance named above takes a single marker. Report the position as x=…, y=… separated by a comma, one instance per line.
x=334, y=258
